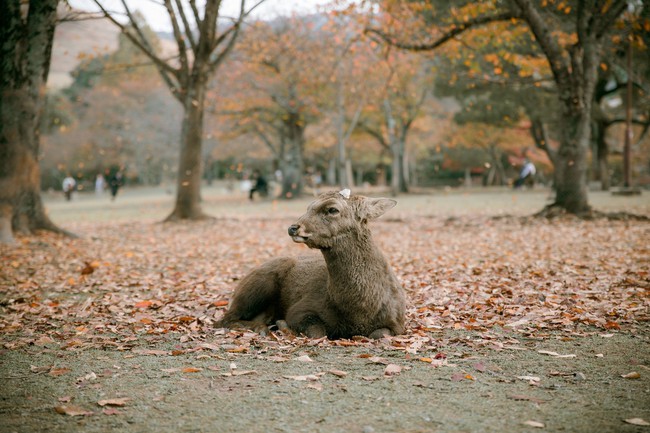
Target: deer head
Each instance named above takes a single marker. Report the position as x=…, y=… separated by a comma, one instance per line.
x=335, y=215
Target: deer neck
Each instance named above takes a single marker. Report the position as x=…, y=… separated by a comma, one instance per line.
x=349, y=263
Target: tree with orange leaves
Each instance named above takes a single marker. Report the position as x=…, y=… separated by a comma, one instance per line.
x=573, y=59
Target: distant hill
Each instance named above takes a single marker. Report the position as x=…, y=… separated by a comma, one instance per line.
x=76, y=40
x=73, y=40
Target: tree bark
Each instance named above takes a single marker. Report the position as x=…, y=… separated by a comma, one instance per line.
x=26, y=37
x=186, y=75
x=293, y=165
x=602, y=152
x=188, y=186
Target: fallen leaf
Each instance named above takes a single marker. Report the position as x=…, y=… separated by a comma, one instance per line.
x=71, y=410
x=191, y=370
x=392, y=370
x=370, y=378
x=88, y=377
x=114, y=401
x=457, y=377
x=44, y=340
x=143, y=304
x=480, y=367
x=65, y=399
x=58, y=371
x=304, y=358
x=529, y=378
x=316, y=385
x=611, y=325
x=242, y=372
x=338, y=373
x=276, y=358
x=637, y=421
x=534, y=424
x=632, y=375
x=88, y=268
x=310, y=377
x=557, y=355
x=517, y=323
x=38, y=370
x=151, y=352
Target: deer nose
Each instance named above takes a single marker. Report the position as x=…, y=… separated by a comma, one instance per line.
x=293, y=230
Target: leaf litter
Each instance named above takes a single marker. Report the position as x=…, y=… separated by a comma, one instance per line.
x=154, y=280
x=507, y=281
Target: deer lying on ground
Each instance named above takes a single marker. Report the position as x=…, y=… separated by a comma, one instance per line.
x=349, y=290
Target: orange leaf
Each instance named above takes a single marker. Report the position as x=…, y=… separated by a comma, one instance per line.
x=72, y=410
x=114, y=401
x=191, y=370
x=220, y=303
x=143, y=304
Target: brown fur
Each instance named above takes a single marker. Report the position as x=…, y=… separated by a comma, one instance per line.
x=349, y=290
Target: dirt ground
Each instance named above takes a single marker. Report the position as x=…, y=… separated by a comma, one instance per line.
x=561, y=345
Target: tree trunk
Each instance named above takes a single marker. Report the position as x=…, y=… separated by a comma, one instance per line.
x=575, y=125
x=602, y=167
x=344, y=180
x=293, y=164
x=400, y=181
x=291, y=176
x=25, y=53
x=570, y=160
x=188, y=187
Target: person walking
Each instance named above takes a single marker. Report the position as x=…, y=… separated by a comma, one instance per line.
x=527, y=174
x=68, y=186
x=115, y=183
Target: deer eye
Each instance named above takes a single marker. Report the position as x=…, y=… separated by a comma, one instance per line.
x=332, y=211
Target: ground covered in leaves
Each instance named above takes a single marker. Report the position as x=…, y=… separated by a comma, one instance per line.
x=514, y=324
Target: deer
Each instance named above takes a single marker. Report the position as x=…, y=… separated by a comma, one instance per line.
x=348, y=290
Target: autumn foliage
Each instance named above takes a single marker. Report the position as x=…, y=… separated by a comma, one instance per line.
x=126, y=283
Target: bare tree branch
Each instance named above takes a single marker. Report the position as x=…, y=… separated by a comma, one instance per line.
x=558, y=63
x=373, y=132
x=195, y=11
x=180, y=41
x=165, y=69
x=186, y=25
x=609, y=16
x=455, y=31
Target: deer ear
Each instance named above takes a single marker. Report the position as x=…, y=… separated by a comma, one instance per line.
x=376, y=207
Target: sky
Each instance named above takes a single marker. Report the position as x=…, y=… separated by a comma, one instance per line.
x=159, y=20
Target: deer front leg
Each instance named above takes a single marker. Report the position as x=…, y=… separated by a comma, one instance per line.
x=306, y=321
x=380, y=333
